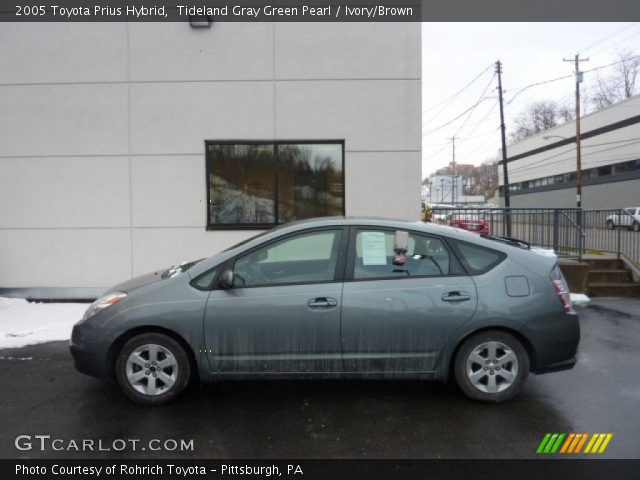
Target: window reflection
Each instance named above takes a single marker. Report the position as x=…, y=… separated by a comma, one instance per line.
x=310, y=181
x=273, y=183
x=241, y=184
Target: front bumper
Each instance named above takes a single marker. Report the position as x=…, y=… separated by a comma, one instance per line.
x=554, y=339
x=89, y=348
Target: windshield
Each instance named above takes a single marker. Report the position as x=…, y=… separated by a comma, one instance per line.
x=247, y=240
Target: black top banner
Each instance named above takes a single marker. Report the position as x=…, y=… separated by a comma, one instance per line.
x=205, y=12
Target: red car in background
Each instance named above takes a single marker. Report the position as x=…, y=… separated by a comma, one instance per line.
x=469, y=221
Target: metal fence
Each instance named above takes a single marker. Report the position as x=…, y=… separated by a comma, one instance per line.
x=569, y=232
x=614, y=231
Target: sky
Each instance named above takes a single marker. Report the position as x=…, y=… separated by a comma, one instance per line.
x=454, y=54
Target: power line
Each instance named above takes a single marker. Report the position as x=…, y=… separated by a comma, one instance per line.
x=452, y=97
x=537, y=163
x=589, y=47
x=446, y=124
x=611, y=160
x=611, y=47
x=482, y=96
x=526, y=87
x=522, y=89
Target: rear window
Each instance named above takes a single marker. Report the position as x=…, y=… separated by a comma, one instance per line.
x=478, y=260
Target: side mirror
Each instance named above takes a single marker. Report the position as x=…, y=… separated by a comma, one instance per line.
x=226, y=279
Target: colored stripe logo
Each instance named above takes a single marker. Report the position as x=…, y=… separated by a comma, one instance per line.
x=574, y=443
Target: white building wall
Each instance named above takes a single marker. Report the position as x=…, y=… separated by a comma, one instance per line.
x=563, y=159
x=102, y=129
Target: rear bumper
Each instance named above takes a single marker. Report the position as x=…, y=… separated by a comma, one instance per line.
x=556, y=367
x=554, y=340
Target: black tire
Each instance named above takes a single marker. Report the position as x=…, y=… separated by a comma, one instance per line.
x=519, y=378
x=636, y=227
x=180, y=375
x=610, y=225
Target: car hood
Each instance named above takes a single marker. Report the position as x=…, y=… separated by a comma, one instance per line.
x=137, y=282
x=154, y=277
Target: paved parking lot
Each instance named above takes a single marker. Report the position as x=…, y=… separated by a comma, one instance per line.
x=41, y=393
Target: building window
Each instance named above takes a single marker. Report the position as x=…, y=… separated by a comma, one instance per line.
x=263, y=184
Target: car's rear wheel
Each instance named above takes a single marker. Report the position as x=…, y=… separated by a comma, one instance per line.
x=636, y=227
x=152, y=369
x=610, y=224
x=491, y=366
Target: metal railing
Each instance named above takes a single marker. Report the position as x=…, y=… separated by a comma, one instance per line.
x=613, y=231
x=570, y=232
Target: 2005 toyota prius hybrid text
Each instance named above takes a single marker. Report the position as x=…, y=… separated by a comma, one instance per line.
x=338, y=297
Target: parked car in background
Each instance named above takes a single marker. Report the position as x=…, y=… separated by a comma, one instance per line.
x=474, y=222
x=439, y=213
x=338, y=297
x=628, y=218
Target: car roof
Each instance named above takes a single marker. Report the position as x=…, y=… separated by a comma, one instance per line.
x=432, y=228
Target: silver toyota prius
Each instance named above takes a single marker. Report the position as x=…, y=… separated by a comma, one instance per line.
x=338, y=297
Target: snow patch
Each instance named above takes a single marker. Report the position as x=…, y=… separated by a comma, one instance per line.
x=578, y=299
x=23, y=323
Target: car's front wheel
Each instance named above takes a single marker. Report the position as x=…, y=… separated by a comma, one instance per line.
x=152, y=369
x=491, y=366
x=636, y=227
x=610, y=225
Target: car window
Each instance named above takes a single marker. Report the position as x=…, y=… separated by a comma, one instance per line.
x=205, y=280
x=309, y=257
x=375, y=256
x=630, y=211
x=478, y=259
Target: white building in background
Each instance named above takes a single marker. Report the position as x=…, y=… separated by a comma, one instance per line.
x=447, y=189
x=542, y=168
x=104, y=169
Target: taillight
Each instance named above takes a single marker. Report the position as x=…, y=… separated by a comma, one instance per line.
x=560, y=284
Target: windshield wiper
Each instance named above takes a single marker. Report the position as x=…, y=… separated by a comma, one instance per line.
x=176, y=269
x=509, y=241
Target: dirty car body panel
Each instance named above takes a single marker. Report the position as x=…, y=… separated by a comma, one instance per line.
x=346, y=306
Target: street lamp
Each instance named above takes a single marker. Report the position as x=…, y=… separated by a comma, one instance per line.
x=578, y=168
x=548, y=137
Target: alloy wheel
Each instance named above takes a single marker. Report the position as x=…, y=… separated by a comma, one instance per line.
x=492, y=367
x=152, y=369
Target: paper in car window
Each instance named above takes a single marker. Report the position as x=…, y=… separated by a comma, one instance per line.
x=373, y=248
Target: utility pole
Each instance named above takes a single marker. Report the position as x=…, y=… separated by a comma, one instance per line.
x=576, y=60
x=503, y=133
x=442, y=190
x=453, y=171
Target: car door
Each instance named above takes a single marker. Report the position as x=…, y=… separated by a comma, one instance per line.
x=283, y=312
x=397, y=317
x=627, y=217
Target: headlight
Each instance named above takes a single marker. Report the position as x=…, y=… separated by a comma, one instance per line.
x=102, y=303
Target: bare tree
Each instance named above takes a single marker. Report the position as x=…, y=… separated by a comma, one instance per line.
x=621, y=84
x=538, y=117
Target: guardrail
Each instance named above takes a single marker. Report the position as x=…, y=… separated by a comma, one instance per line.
x=570, y=232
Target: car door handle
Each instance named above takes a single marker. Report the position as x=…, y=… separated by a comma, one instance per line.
x=322, y=302
x=456, y=297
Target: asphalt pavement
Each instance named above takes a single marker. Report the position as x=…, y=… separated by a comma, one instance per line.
x=42, y=394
